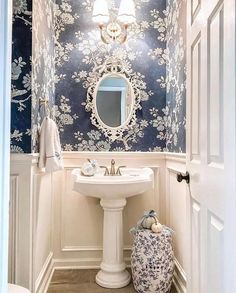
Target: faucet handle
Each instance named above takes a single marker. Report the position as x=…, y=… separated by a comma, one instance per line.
x=106, y=170
x=118, y=173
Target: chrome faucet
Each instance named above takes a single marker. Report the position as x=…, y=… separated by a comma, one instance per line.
x=112, y=171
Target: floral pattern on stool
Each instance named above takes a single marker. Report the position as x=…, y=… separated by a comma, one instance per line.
x=152, y=261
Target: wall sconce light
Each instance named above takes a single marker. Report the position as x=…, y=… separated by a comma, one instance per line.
x=114, y=28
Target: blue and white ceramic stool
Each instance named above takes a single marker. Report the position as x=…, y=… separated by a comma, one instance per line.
x=152, y=261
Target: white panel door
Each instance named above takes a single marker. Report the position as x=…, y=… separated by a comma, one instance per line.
x=211, y=145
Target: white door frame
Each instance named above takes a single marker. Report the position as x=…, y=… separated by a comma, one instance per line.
x=5, y=106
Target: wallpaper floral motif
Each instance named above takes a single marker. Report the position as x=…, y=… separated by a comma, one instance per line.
x=79, y=50
x=65, y=39
x=176, y=76
x=21, y=76
x=32, y=70
x=43, y=65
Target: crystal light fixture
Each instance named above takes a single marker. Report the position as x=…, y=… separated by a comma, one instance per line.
x=114, y=28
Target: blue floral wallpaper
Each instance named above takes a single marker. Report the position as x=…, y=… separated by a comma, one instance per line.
x=43, y=65
x=176, y=76
x=32, y=70
x=67, y=47
x=21, y=76
x=79, y=50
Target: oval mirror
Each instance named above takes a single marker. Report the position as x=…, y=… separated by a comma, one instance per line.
x=114, y=100
x=113, y=97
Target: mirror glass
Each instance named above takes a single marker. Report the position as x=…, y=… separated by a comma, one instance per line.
x=114, y=100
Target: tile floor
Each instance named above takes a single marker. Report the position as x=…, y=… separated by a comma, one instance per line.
x=81, y=281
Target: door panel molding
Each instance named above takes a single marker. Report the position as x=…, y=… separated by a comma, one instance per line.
x=195, y=8
x=195, y=99
x=196, y=245
x=215, y=271
x=215, y=96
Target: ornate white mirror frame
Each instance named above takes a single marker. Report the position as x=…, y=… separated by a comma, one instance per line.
x=111, y=67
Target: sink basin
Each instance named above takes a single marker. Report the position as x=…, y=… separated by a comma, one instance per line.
x=133, y=181
x=113, y=192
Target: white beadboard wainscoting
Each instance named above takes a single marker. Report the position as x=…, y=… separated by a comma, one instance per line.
x=53, y=227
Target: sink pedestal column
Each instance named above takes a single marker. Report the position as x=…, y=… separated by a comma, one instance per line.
x=113, y=273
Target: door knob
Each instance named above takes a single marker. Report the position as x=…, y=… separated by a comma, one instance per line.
x=181, y=177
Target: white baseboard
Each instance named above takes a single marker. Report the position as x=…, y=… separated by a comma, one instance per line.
x=44, y=277
x=180, y=281
x=76, y=263
x=81, y=263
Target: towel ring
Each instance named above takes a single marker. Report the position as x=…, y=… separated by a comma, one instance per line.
x=45, y=103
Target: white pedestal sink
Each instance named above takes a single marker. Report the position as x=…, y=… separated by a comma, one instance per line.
x=113, y=191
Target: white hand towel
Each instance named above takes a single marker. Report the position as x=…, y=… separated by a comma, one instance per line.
x=50, y=156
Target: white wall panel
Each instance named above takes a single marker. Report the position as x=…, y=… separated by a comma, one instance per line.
x=30, y=223
x=176, y=216
x=81, y=219
x=42, y=219
x=23, y=263
x=78, y=221
x=13, y=228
